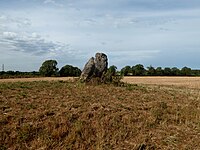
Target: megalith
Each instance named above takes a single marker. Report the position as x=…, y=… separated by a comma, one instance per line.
x=95, y=67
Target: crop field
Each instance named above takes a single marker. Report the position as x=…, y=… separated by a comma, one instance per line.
x=66, y=114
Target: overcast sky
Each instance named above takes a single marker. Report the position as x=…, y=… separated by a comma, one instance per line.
x=162, y=33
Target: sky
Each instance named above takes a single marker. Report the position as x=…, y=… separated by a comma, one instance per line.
x=162, y=33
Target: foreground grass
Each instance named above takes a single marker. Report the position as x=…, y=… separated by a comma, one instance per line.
x=69, y=115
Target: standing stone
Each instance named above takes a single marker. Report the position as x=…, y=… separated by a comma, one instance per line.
x=101, y=64
x=95, y=67
x=88, y=70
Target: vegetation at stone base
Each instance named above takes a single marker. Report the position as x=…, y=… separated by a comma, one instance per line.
x=112, y=70
x=71, y=115
x=139, y=70
x=111, y=76
x=108, y=77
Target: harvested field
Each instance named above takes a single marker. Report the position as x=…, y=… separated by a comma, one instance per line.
x=187, y=82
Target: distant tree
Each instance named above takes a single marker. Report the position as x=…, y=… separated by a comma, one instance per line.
x=167, y=71
x=138, y=70
x=185, y=71
x=49, y=68
x=175, y=71
x=151, y=71
x=196, y=72
x=10, y=72
x=126, y=70
x=69, y=70
x=159, y=71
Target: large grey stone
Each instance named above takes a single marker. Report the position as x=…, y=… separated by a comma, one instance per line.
x=95, y=67
x=88, y=70
x=101, y=64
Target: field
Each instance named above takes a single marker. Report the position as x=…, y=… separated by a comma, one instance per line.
x=187, y=82
x=151, y=113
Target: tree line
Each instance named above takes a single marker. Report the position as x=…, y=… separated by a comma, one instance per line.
x=18, y=74
x=49, y=69
x=140, y=70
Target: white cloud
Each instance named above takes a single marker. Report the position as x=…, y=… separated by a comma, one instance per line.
x=49, y=1
x=31, y=43
x=14, y=24
x=53, y=2
x=3, y=17
x=35, y=35
x=9, y=35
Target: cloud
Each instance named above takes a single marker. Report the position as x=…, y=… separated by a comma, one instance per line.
x=53, y=2
x=129, y=31
x=9, y=35
x=14, y=23
x=31, y=43
x=49, y=1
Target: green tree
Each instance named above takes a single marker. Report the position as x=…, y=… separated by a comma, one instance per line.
x=175, y=71
x=49, y=68
x=185, y=71
x=126, y=70
x=138, y=70
x=167, y=71
x=69, y=70
x=151, y=71
x=159, y=71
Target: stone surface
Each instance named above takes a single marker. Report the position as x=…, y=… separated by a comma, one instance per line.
x=101, y=64
x=95, y=67
x=88, y=70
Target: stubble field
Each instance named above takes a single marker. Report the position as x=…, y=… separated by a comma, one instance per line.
x=64, y=114
x=187, y=82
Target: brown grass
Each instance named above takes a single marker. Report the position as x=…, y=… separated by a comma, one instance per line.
x=189, y=82
x=71, y=115
x=39, y=79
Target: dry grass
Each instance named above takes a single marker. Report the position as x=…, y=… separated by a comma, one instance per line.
x=189, y=82
x=69, y=115
x=39, y=79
